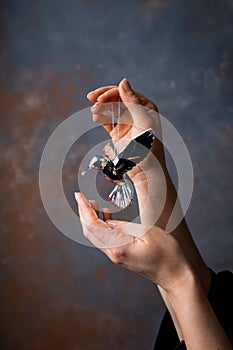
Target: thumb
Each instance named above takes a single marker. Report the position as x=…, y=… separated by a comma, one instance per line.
x=127, y=94
x=129, y=228
x=139, y=108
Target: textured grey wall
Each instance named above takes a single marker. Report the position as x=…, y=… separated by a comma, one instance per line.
x=56, y=294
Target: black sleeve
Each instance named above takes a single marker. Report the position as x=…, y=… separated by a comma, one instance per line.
x=221, y=299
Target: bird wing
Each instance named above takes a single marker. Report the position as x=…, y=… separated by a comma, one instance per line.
x=134, y=150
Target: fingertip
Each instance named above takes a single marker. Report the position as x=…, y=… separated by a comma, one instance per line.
x=111, y=223
x=121, y=81
x=81, y=199
x=77, y=196
x=111, y=95
x=118, y=223
x=106, y=210
x=126, y=85
x=91, y=97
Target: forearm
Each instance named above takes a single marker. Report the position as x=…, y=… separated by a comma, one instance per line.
x=149, y=208
x=199, y=325
x=148, y=202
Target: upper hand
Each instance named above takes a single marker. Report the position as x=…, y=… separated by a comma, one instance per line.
x=140, y=114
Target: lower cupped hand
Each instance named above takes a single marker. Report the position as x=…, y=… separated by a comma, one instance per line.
x=148, y=251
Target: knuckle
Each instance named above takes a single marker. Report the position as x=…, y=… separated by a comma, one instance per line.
x=115, y=261
x=152, y=105
x=135, y=98
x=96, y=118
x=118, y=256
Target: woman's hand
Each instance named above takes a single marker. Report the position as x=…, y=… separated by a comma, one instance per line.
x=148, y=251
x=137, y=112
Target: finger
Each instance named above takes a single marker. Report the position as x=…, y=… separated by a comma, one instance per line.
x=129, y=228
x=101, y=115
x=110, y=241
x=87, y=214
x=136, y=103
x=111, y=95
x=83, y=206
x=95, y=206
x=143, y=111
x=129, y=95
x=80, y=196
x=108, y=238
x=106, y=110
x=107, y=215
x=96, y=230
x=93, y=95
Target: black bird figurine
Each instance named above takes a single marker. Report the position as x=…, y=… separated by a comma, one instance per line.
x=115, y=169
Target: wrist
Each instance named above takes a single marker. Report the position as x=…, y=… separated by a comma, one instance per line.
x=183, y=285
x=175, y=272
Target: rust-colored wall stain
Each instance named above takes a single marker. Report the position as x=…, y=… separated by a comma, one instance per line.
x=99, y=273
x=56, y=294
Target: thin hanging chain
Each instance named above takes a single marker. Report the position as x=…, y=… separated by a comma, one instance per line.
x=113, y=123
x=116, y=139
x=118, y=125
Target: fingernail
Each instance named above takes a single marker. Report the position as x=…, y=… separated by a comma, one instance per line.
x=111, y=223
x=126, y=85
x=91, y=92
